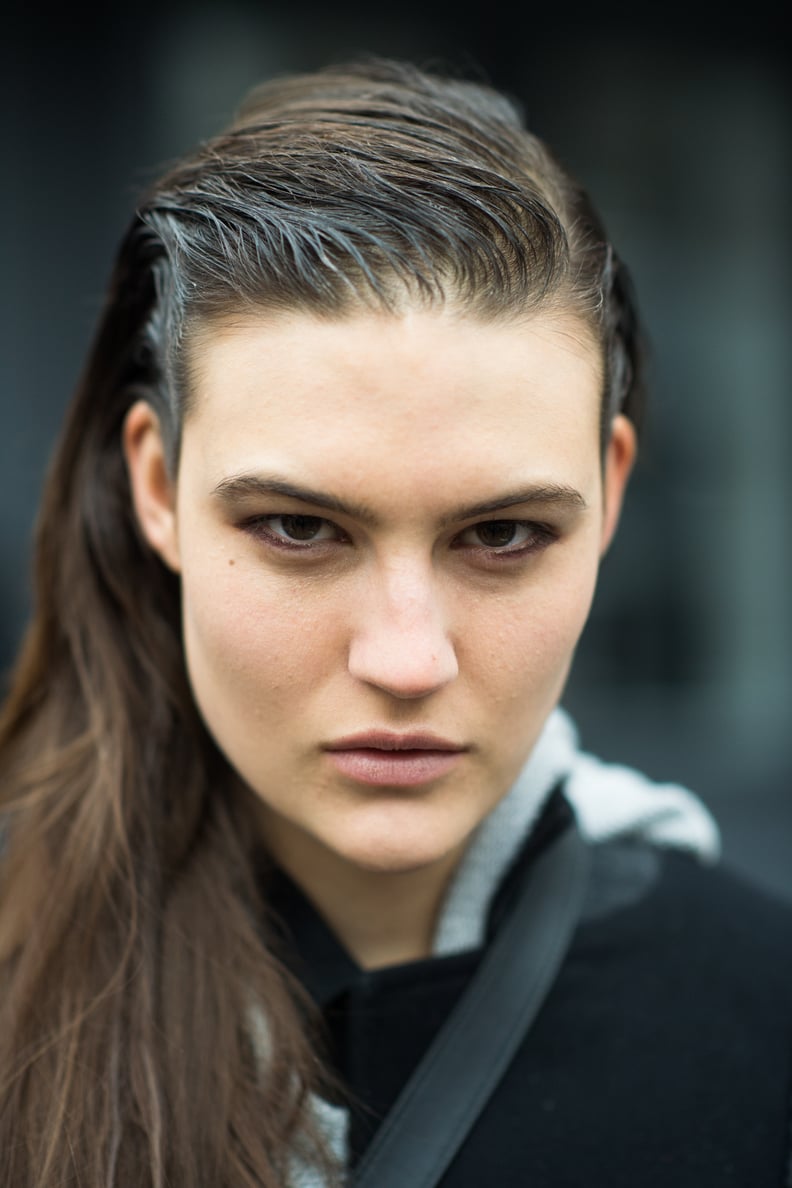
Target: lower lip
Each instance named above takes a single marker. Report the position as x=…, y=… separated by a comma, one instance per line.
x=403, y=769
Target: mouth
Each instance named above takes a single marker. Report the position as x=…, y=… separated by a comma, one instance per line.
x=383, y=758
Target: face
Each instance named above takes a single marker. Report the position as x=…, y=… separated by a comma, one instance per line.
x=388, y=530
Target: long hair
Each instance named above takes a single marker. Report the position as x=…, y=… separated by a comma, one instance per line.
x=150, y=1034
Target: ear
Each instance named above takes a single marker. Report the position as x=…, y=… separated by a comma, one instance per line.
x=619, y=458
x=153, y=492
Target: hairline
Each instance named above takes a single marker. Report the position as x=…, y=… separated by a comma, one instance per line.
x=201, y=326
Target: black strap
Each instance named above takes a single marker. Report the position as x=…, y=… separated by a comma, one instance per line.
x=441, y=1101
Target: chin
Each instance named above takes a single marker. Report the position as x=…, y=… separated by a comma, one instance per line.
x=392, y=862
x=397, y=847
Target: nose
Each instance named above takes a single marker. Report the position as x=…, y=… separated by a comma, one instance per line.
x=400, y=643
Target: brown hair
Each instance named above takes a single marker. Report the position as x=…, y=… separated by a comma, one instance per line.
x=135, y=949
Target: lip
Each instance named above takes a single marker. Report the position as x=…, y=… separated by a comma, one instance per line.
x=389, y=740
x=382, y=758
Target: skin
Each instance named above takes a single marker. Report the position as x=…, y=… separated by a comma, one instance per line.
x=404, y=612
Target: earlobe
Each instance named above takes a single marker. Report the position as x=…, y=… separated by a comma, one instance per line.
x=153, y=491
x=619, y=458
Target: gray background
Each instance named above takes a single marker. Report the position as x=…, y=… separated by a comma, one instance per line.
x=677, y=119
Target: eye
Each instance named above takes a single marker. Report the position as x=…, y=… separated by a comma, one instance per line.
x=295, y=531
x=505, y=537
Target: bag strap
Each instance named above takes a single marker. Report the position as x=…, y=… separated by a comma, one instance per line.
x=441, y=1101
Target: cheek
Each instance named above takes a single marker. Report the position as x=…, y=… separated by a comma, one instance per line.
x=526, y=648
x=250, y=642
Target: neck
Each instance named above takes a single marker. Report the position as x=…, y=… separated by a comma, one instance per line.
x=381, y=917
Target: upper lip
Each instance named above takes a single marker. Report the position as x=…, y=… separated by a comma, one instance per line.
x=388, y=740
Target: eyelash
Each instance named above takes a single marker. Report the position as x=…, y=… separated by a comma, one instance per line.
x=540, y=536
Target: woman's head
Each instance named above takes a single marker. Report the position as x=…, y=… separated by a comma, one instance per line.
x=380, y=290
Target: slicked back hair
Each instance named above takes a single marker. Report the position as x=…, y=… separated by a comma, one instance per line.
x=377, y=186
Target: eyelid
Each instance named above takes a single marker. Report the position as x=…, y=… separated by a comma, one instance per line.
x=518, y=521
x=260, y=527
x=540, y=535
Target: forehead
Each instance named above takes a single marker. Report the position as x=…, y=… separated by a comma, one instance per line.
x=424, y=397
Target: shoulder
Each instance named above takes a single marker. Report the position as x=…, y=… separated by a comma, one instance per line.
x=688, y=937
x=682, y=897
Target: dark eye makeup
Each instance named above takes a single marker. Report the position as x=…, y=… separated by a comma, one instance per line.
x=489, y=539
x=301, y=529
x=505, y=537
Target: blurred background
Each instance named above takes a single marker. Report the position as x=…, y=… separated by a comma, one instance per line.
x=678, y=121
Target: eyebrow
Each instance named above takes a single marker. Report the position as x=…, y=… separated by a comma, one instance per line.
x=241, y=487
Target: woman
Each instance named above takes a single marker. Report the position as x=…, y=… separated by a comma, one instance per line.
x=282, y=751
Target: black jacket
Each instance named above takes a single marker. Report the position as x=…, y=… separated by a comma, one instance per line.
x=661, y=1059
